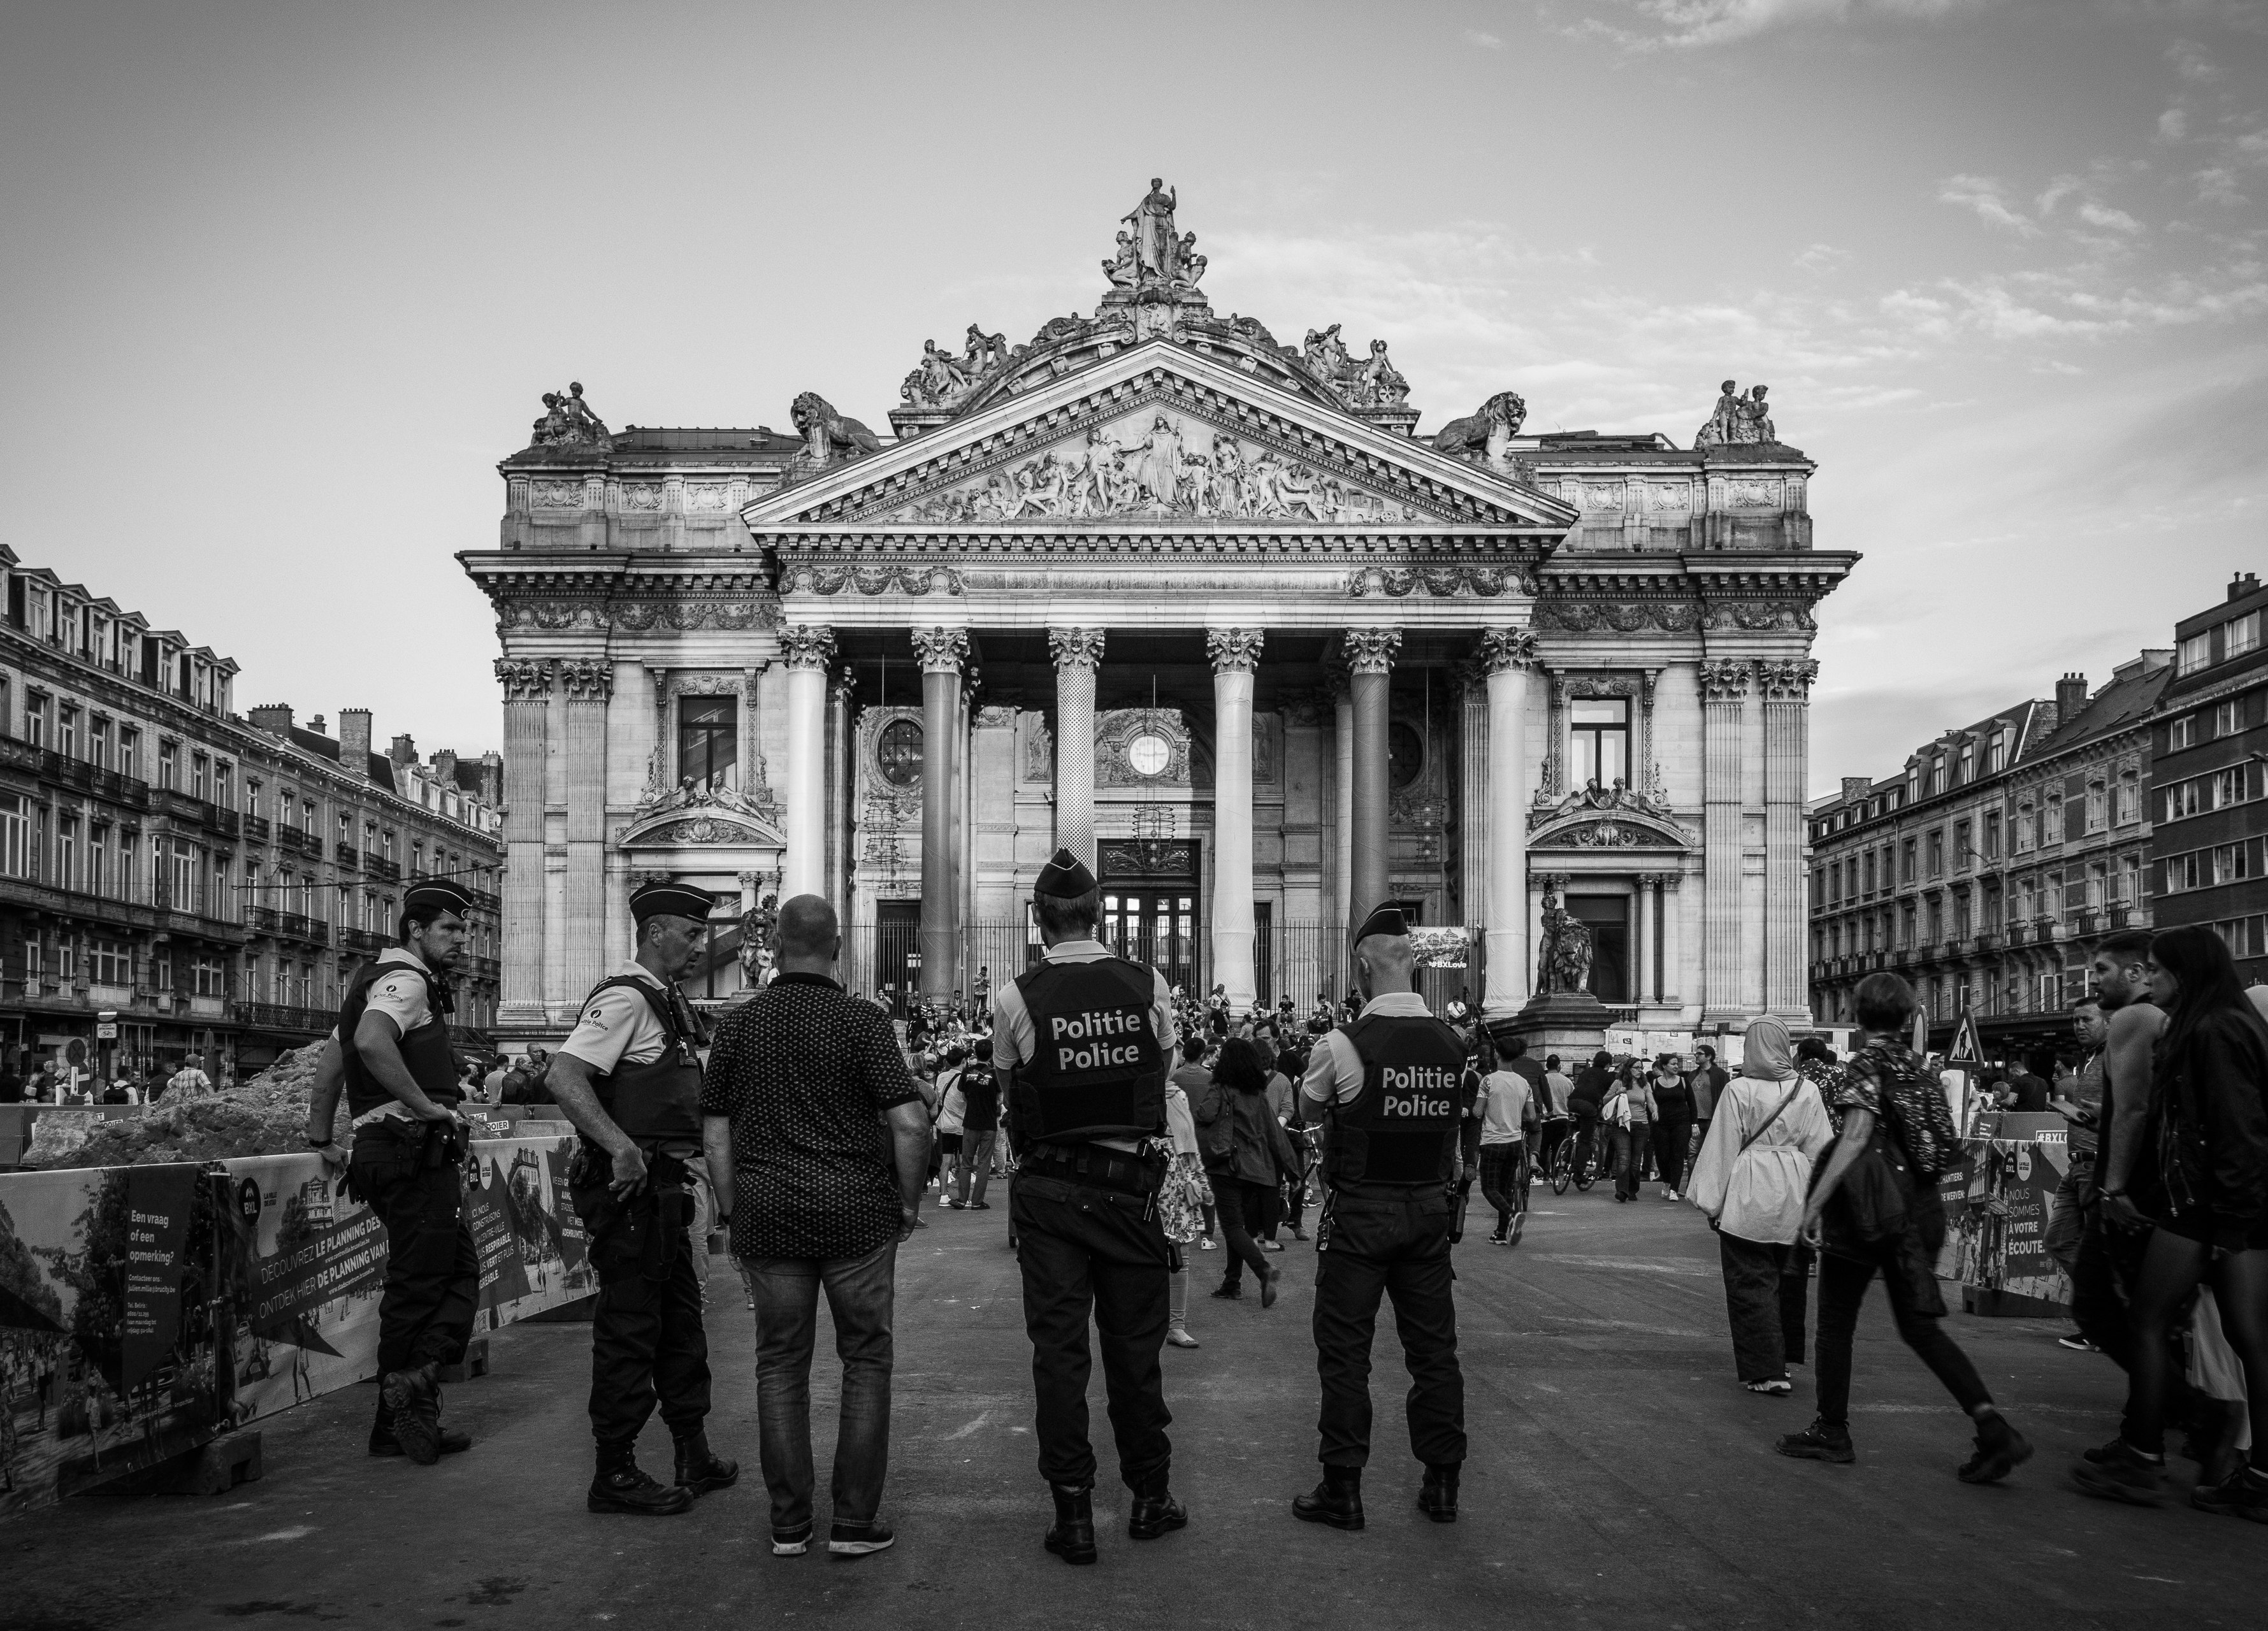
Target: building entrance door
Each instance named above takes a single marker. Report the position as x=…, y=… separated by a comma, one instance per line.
x=1154, y=925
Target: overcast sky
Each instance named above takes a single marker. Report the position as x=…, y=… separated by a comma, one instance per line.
x=283, y=283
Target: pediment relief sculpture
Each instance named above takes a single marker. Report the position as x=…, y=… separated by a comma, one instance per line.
x=1150, y=464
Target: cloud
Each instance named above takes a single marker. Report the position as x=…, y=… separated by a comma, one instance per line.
x=1680, y=24
x=2218, y=186
x=1824, y=258
x=1493, y=43
x=2173, y=124
x=1982, y=194
x=2192, y=61
x=2104, y=216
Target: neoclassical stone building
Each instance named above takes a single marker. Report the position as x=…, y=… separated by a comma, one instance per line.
x=1200, y=606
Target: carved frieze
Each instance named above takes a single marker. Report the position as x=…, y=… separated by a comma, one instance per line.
x=1762, y=616
x=688, y=615
x=707, y=497
x=555, y=495
x=641, y=496
x=832, y=578
x=1675, y=617
x=704, y=830
x=550, y=615
x=1487, y=581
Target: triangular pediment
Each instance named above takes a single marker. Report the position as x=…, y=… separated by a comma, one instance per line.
x=1160, y=435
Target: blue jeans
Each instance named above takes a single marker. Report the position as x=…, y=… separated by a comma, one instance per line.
x=861, y=1292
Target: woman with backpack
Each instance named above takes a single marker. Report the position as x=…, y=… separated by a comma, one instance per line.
x=1875, y=1210
x=1247, y=1155
x=2201, y=1177
x=1751, y=1181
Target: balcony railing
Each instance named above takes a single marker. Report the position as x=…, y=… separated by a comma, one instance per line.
x=361, y=940
x=304, y=843
x=378, y=866
x=255, y=828
x=51, y=766
x=311, y=1022
x=347, y=854
x=261, y=919
x=293, y=926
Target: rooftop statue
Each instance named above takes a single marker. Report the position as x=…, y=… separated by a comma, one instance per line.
x=1374, y=383
x=568, y=420
x=1737, y=419
x=827, y=435
x=1156, y=249
x=1485, y=435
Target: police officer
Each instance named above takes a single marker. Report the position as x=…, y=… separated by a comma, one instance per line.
x=1386, y=1085
x=1082, y=1043
x=390, y=1056
x=629, y=1079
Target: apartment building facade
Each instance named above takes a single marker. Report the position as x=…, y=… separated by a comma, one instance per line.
x=178, y=881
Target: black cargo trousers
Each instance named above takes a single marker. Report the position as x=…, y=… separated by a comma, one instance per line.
x=1374, y=1242
x=647, y=1339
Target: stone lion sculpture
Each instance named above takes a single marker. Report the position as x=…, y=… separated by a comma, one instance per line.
x=1485, y=432
x=827, y=434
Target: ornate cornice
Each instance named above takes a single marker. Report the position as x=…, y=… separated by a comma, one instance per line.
x=1232, y=649
x=805, y=645
x=1076, y=648
x=1371, y=650
x=942, y=650
x=1502, y=650
x=524, y=681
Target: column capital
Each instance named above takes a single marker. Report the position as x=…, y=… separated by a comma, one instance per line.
x=1725, y=679
x=1786, y=680
x=942, y=650
x=1075, y=648
x=524, y=681
x=1502, y=650
x=1370, y=650
x=587, y=680
x=805, y=645
x=1232, y=649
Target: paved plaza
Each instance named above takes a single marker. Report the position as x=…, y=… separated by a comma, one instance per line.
x=1618, y=1477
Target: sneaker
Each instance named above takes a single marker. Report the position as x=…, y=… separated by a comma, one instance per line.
x=1230, y=1292
x=2077, y=1343
x=1498, y=1239
x=2243, y=1494
x=1518, y=1226
x=1272, y=1245
x=1670, y=1194
x=1820, y=1442
x=1206, y=1243
x=2000, y=1450
x=2121, y=1473
x=1772, y=1387
x=858, y=1540
x=793, y=1544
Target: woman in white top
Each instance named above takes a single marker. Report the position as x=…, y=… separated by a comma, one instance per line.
x=1187, y=1195
x=1754, y=1174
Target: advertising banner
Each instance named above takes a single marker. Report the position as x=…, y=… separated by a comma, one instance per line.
x=145, y=1309
x=1996, y=1205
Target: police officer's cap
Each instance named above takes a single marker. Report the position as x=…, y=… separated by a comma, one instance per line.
x=430, y=895
x=1388, y=919
x=667, y=898
x=1064, y=878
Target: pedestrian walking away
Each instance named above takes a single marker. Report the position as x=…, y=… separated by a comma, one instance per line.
x=2203, y=1181
x=629, y=1078
x=1508, y=1117
x=1248, y=1164
x=817, y=1204
x=1875, y=1210
x=390, y=1057
x=980, y=1128
x=1750, y=1183
x=1083, y=1041
x=1387, y=1082
x=1183, y=1204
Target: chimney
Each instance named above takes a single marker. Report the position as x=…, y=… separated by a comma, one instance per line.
x=444, y=768
x=404, y=751
x=2242, y=584
x=2071, y=697
x=354, y=741
x=492, y=780
x=273, y=717
x=1856, y=788
x=315, y=723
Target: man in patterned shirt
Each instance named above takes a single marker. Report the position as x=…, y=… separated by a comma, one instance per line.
x=818, y=1197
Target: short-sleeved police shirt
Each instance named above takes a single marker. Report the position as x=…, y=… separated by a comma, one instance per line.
x=618, y=1026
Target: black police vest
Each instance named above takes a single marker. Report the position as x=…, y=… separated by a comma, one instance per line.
x=425, y=1050
x=1096, y=1070
x=659, y=1100
x=1401, y=1129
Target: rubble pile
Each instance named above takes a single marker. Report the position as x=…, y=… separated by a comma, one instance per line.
x=264, y=1116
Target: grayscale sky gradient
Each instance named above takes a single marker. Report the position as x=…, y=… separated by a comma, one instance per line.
x=282, y=281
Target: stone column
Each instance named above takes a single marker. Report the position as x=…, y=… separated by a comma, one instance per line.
x=1787, y=686
x=842, y=687
x=1642, y=901
x=807, y=649
x=1342, y=812
x=1723, y=709
x=1233, y=652
x=588, y=684
x=526, y=729
x=1369, y=660
x=943, y=652
x=1077, y=652
x=1674, y=958
x=1508, y=656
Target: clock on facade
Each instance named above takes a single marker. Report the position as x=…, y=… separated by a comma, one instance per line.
x=1148, y=754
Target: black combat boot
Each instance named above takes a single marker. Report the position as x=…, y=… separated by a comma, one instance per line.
x=1154, y=1510
x=1336, y=1500
x=1071, y=1535
x=701, y=1469
x=621, y=1487
x=414, y=1396
x=1437, y=1497
x=384, y=1442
